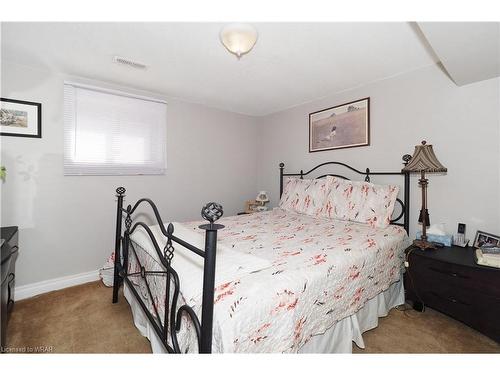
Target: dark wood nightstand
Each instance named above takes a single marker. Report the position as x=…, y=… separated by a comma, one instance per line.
x=449, y=280
x=9, y=251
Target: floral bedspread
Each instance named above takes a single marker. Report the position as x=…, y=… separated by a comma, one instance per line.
x=314, y=272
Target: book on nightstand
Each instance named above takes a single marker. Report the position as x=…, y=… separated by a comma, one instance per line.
x=488, y=256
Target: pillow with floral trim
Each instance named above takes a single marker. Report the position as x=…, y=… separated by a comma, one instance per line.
x=304, y=195
x=361, y=202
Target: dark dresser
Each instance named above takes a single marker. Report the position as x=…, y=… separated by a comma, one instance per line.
x=9, y=252
x=449, y=280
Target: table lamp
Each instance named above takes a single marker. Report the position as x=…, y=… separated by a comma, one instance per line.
x=262, y=198
x=424, y=161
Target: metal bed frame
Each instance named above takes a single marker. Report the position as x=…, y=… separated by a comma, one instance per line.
x=169, y=325
x=171, y=322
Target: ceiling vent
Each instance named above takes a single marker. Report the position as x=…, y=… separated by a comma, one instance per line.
x=128, y=62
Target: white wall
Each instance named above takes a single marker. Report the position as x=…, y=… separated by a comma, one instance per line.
x=461, y=122
x=67, y=222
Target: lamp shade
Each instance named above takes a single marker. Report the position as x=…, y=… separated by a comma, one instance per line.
x=424, y=160
x=238, y=38
x=262, y=197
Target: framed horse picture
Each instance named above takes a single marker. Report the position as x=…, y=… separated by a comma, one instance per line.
x=345, y=125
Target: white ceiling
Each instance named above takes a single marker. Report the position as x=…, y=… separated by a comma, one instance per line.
x=469, y=51
x=292, y=63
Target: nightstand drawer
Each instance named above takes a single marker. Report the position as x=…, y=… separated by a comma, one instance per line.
x=484, y=281
x=459, y=305
x=439, y=273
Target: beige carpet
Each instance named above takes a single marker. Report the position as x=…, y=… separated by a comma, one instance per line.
x=82, y=319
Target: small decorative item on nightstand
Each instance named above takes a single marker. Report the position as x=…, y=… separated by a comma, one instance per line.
x=483, y=238
x=459, y=239
x=250, y=207
x=262, y=199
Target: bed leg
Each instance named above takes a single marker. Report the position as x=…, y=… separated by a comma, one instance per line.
x=207, y=312
x=120, y=194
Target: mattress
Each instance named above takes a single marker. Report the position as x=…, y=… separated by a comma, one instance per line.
x=281, y=278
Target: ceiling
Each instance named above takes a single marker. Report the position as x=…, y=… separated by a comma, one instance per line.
x=292, y=63
x=469, y=51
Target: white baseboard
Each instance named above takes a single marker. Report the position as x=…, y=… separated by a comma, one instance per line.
x=31, y=290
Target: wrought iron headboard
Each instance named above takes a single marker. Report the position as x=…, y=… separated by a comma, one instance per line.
x=405, y=203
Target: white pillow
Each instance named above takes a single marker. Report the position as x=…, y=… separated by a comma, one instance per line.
x=361, y=202
x=304, y=195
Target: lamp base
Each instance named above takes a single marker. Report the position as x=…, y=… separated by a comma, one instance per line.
x=423, y=245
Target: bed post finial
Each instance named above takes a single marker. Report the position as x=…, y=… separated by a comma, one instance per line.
x=120, y=194
x=120, y=191
x=212, y=212
x=406, y=159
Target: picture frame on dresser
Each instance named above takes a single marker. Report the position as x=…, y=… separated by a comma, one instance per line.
x=20, y=118
x=342, y=126
x=483, y=238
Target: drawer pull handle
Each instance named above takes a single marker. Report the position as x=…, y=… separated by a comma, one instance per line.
x=451, y=299
x=453, y=274
x=454, y=300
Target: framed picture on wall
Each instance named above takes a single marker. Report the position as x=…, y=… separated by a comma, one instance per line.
x=345, y=125
x=20, y=118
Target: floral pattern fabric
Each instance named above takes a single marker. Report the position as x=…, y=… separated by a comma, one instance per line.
x=304, y=195
x=317, y=271
x=361, y=202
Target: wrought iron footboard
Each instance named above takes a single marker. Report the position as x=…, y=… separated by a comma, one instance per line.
x=168, y=325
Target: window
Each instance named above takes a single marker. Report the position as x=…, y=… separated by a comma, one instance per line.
x=112, y=133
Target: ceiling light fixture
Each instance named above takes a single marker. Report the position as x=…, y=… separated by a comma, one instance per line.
x=238, y=38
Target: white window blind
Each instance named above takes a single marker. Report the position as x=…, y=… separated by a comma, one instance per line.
x=112, y=133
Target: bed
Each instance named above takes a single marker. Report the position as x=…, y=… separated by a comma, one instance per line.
x=274, y=281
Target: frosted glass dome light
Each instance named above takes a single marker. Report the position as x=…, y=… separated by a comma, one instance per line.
x=238, y=38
